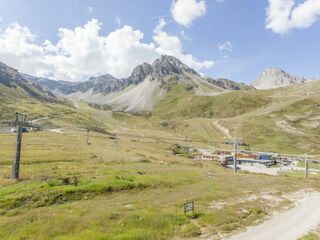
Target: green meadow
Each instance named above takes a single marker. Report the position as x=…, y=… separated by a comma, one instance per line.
x=134, y=189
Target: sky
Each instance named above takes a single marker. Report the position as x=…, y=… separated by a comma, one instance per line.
x=235, y=39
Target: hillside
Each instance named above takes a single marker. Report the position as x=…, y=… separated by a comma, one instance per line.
x=284, y=120
x=281, y=120
x=137, y=169
x=228, y=84
x=181, y=100
x=290, y=122
x=56, y=87
x=159, y=120
x=41, y=106
x=10, y=78
x=72, y=190
x=17, y=94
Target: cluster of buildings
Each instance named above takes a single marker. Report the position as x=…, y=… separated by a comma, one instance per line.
x=5, y=127
x=26, y=129
x=226, y=157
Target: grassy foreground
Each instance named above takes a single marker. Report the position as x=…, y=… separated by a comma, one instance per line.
x=129, y=188
x=312, y=235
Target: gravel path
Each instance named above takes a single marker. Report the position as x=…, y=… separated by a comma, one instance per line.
x=290, y=225
x=259, y=169
x=274, y=171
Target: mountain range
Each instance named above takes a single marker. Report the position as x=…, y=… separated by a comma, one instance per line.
x=187, y=103
x=141, y=90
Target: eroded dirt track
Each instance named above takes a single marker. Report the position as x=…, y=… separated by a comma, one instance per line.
x=289, y=225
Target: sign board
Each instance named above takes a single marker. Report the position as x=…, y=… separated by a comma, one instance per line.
x=189, y=206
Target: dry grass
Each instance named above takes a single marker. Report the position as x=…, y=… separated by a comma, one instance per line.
x=132, y=187
x=133, y=191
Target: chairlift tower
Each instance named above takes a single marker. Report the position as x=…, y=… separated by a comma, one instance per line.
x=235, y=142
x=20, y=122
x=88, y=134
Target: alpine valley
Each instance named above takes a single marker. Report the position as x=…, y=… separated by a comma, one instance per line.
x=118, y=158
x=282, y=116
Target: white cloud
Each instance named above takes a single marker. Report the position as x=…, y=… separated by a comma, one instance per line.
x=160, y=26
x=167, y=44
x=78, y=52
x=158, y=17
x=172, y=45
x=83, y=51
x=227, y=46
x=185, y=12
x=90, y=9
x=184, y=36
x=17, y=49
x=283, y=15
x=118, y=20
x=304, y=15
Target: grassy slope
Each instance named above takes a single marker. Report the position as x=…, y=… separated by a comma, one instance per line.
x=137, y=190
x=277, y=120
x=14, y=99
x=181, y=102
x=60, y=114
x=285, y=120
x=254, y=115
x=312, y=235
x=133, y=191
x=290, y=124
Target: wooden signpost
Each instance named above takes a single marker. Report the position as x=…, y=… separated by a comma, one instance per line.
x=188, y=207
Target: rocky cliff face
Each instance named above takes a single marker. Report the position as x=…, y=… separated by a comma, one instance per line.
x=100, y=85
x=140, y=73
x=274, y=78
x=167, y=65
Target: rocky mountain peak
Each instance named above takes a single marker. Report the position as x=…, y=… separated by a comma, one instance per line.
x=100, y=85
x=166, y=65
x=140, y=72
x=276, y=77
x=274, y=71
x=103, y=78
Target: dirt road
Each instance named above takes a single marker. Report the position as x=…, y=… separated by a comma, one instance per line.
x=274, y=171
x=290, y=225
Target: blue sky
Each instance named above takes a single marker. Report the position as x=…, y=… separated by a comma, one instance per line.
x=231, y=38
